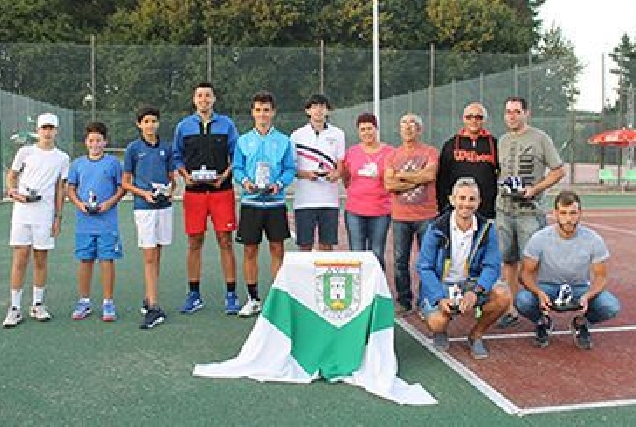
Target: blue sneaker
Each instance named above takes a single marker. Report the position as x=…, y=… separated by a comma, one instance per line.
x=82, y=310
x=108, y=312
x=232, y=303
x=193, y=303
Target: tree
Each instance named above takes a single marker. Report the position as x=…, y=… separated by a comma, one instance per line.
x=624, y=55
x=558, y=73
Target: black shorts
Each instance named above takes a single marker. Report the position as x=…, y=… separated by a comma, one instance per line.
x=307, y=219
x=254, y=221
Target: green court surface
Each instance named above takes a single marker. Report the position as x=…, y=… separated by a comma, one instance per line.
x=91, y=373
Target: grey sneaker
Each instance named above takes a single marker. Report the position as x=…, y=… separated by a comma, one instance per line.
x=477, y=348
x=14, y=317
x=40, y=313
x=507, y=320
x=440, y=341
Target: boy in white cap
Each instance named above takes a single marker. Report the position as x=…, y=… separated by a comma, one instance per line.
x=35, y=183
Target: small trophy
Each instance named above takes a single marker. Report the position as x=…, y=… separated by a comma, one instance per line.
x=263, y=177
x=455, y=295
x=160, y=192
x=203, y=174
x=512, y=186
x=92, y=207
x=32, y=195
x=565, y=301
x=322, y=171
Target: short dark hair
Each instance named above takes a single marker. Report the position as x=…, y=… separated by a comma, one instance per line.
x=265, y=97
x=524, y=103
x=203, y=85
x=147, y=111
x=567, y=198
x=367, y=118
x=96, y=127
x=318, y=99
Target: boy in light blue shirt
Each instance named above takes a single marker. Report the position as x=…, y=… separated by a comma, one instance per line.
x=95, y=188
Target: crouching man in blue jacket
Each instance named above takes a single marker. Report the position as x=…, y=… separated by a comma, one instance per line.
x=459, y=265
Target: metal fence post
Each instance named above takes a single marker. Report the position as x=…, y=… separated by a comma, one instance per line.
x=93, y=80
x=322, y=66
x=209, y=59
x=431, y=89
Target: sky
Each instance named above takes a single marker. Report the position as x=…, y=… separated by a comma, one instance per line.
x=594, y=27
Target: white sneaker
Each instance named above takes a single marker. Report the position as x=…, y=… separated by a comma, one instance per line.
x=14, y=316
x=251, y=308
x=39, y=313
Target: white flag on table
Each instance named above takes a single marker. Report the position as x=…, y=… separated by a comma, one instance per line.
x=330, y=316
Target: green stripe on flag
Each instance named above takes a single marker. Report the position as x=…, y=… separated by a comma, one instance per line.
x=317, y=345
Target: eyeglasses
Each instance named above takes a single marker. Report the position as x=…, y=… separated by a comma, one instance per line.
x=474, y=116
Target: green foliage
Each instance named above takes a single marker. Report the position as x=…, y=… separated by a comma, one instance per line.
x=624, y=55
x=557, y=77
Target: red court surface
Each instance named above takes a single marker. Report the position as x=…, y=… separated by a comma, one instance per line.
x=522, y=379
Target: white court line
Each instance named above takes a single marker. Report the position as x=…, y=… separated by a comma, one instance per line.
x=610, y=228
x=564, y=332
x=491, y=393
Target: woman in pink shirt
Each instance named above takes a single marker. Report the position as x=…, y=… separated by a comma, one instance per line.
x=368, y=205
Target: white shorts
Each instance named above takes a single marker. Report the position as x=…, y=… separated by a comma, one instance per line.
x=154, y=227
x=36, y=235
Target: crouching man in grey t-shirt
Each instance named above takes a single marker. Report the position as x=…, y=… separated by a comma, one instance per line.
x=566, y=253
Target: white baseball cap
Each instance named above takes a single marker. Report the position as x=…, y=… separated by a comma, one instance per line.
x=47, y=119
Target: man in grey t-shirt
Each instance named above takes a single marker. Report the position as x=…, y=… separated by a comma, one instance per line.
x=525, y=153
x=572, y=254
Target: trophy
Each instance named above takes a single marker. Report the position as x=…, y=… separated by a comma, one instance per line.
x=92, y=207
x=322, y=171
x=455, y=295
x=32, y=195
x=160, y=192
x=203, y=174
x=512, y=186
x=262, y=180
x=565, y=300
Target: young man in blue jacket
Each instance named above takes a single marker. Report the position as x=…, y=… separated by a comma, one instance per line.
x=459, y=265
x=264, y=166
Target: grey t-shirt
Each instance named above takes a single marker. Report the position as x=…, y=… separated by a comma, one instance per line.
x=526, y=155
x=566, y=260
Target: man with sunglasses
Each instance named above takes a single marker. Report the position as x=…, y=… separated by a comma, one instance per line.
x=459, y=265
x=471, y=152
x=525, y=154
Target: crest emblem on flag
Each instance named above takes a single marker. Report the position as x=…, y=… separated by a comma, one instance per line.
x=337, y=288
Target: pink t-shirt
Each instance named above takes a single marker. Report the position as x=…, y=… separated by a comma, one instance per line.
x=366, y=194
x=420, y=203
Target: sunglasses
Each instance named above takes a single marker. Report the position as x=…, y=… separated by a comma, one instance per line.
x=474, y=116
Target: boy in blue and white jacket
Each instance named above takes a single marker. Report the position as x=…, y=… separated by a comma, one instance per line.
x=263, y=166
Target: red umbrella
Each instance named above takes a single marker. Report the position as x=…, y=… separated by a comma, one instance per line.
x=616, y=138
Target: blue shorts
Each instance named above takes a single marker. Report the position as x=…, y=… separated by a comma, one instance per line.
x=307, y=219
x=102, y=247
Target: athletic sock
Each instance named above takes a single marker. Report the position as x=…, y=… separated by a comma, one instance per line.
x=16, y=298
x=252, y=290
x=231, y=286
x=38, y=295
x=194, y=286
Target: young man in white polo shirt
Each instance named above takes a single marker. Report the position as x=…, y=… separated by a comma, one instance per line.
x=35, y=183
x=319, y=148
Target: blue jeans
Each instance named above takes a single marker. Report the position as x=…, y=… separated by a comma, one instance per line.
x=367, y=233
x=602, y=307
x=403, y=234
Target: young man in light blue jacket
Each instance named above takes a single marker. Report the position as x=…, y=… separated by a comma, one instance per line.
x=263, y=166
